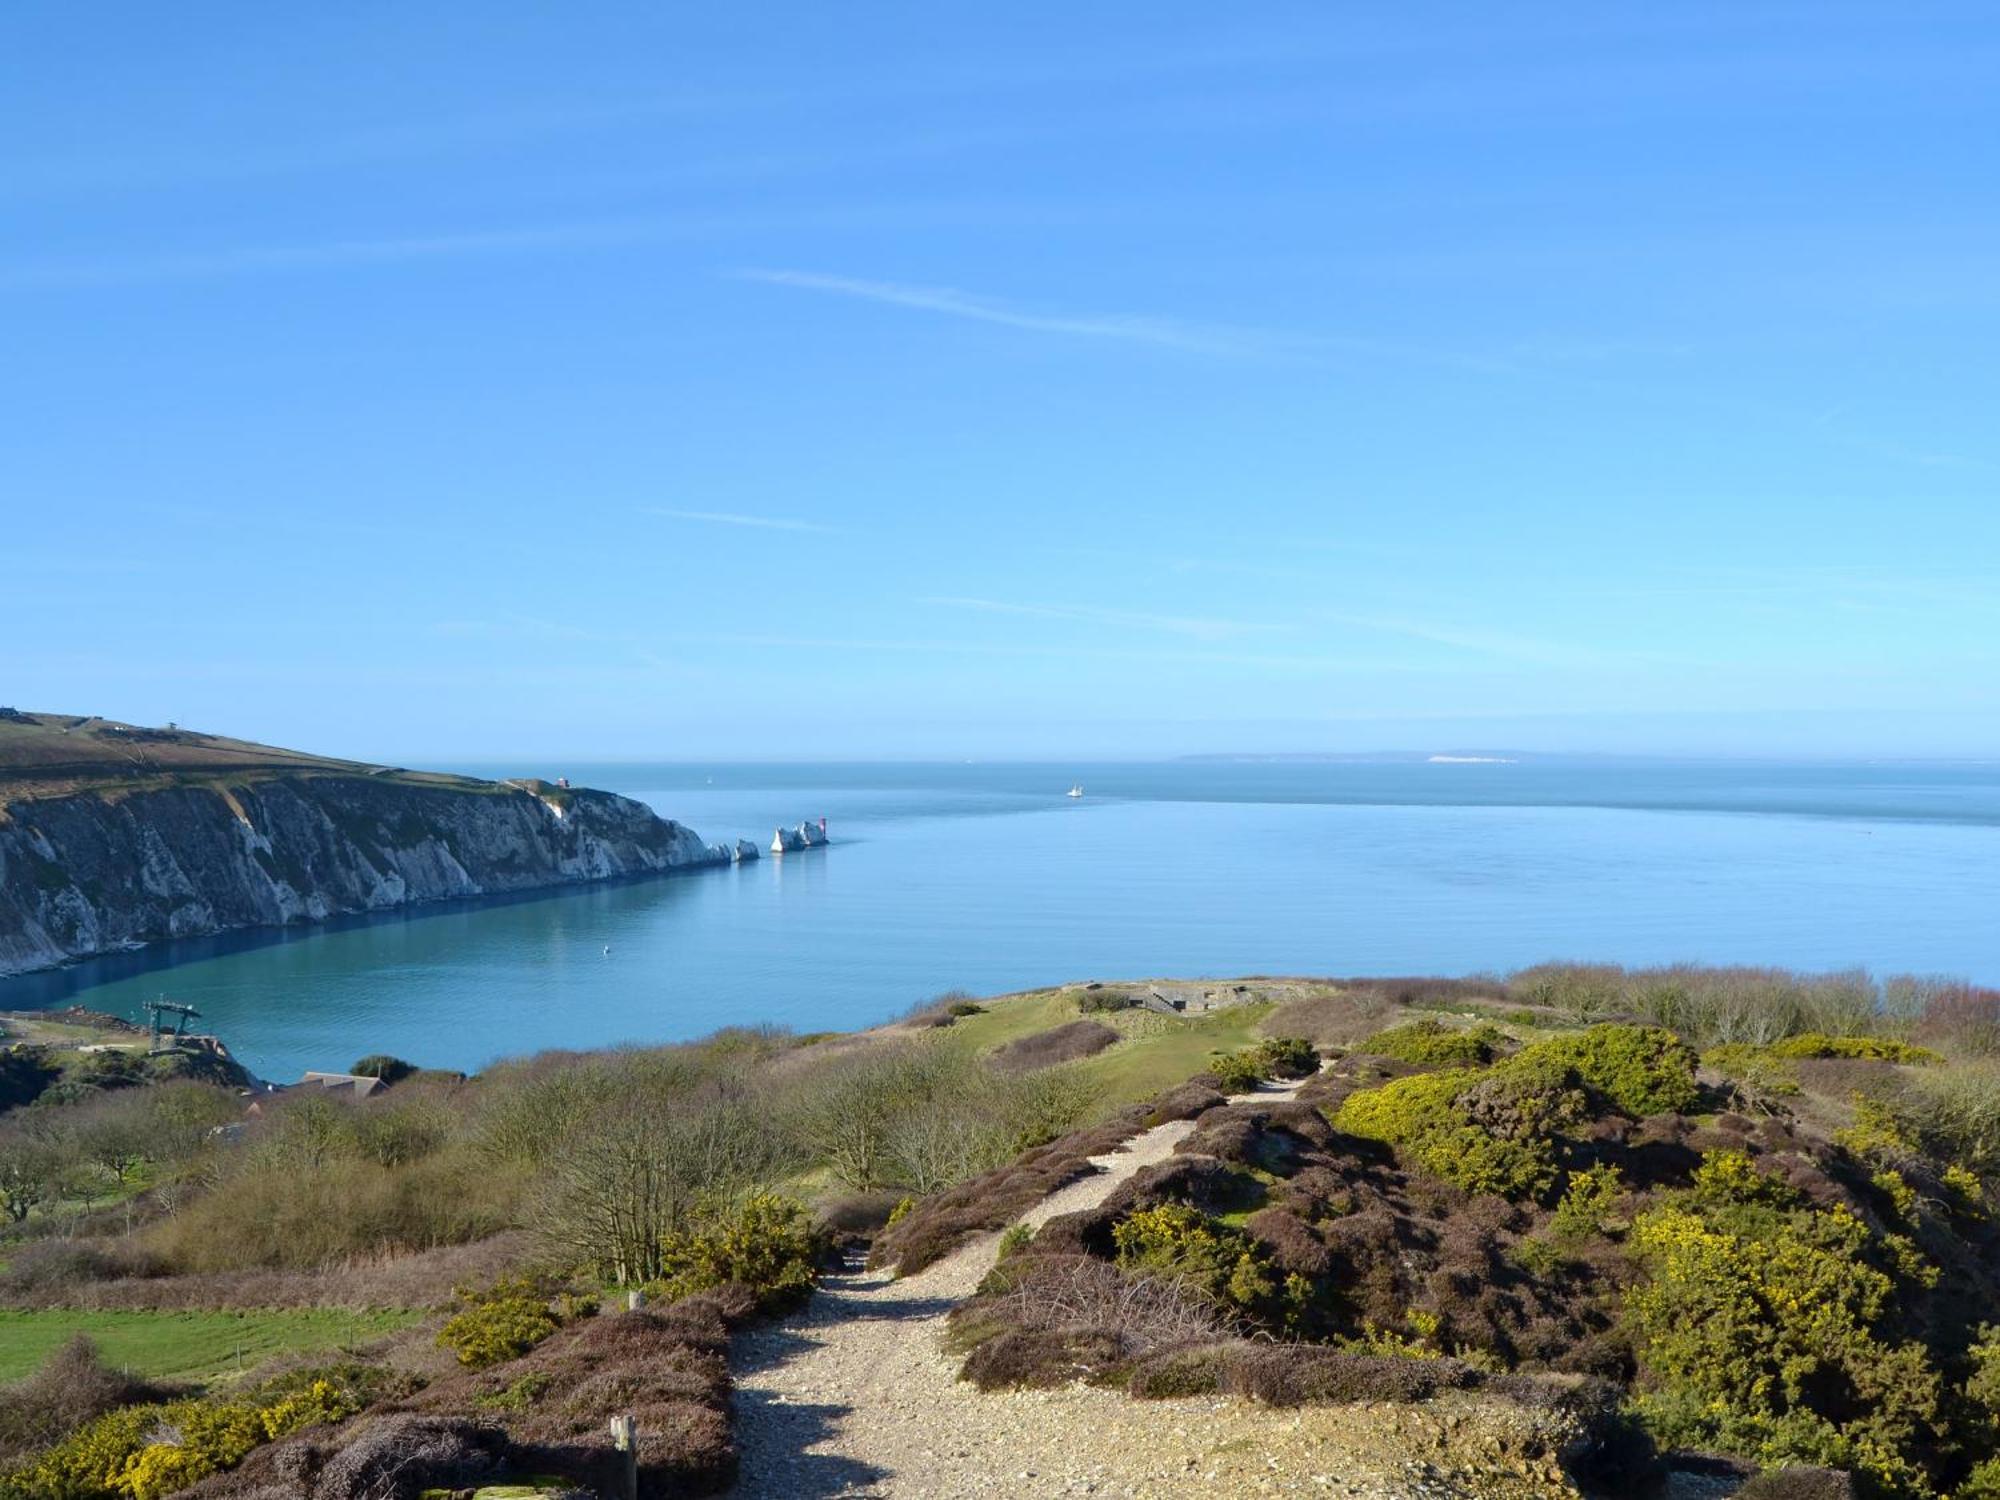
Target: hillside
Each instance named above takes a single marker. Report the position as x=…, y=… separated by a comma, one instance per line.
x=59, y=755
x=1576, y=1233
x=113, y=836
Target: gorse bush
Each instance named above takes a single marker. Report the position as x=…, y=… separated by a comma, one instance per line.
x=762, y=1242
x=1500, y=1129
x=1768, y=1327
x=1186, y=1247
x=1873, y=1048
x=1638, y=1070
x=1288, y=1057
x=497, y=1323
x=1421, y=1116
x=1431, y=1043
x=148, y=1451
x=1275, y=1057
x=1589, y=1204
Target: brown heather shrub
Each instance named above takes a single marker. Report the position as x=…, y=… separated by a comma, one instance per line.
x=1185, y=1102
x=1800, y=1484
x=544, y=1413
x=396, y=1456
x=1066, y=1043
x=1293, y=1246
x=1041, y=1358
x=667, y=1369
x=1295, y=1374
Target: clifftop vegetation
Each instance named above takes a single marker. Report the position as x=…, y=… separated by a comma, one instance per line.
x=1638, y=1194
x=59, y=755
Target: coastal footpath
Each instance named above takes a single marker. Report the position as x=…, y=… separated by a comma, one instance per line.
x=113, y=836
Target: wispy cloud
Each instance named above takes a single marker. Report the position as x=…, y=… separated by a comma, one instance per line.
x=1199, y=627
x=1166, y=333
x=1191, y=337
x=736, y=518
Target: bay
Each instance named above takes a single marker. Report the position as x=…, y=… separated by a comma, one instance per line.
x=987, y=877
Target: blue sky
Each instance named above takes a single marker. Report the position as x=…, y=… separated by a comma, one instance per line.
x=793, y=381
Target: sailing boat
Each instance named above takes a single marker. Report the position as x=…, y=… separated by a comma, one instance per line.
x=1076, y=790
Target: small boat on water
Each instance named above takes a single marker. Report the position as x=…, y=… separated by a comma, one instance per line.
x=1076, y=790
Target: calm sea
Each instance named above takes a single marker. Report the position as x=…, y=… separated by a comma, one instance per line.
x=987, y=877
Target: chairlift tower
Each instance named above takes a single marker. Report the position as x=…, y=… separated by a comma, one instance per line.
x=167, y=1034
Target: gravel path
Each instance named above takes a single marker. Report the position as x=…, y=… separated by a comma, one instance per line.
x=855, y=1396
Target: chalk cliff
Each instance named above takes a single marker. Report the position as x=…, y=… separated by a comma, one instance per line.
x=98, y=868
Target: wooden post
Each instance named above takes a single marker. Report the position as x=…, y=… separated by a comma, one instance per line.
x=625, y=1438
x=634, y=1300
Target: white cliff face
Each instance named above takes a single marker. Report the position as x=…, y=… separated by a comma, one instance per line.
x=94, y=873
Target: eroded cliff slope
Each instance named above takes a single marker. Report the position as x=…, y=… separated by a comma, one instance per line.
x=182, y=844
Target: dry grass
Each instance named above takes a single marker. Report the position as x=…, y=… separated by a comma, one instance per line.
x=62, y=1274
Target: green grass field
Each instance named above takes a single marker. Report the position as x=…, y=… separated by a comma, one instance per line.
x=187, y=1345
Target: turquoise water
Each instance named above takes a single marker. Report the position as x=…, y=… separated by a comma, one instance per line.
x=988, y=878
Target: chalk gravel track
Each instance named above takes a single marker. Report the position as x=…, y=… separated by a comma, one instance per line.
x=854, y=1396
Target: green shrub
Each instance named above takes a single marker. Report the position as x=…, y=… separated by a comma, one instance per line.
x=381, y=1065
x=1275, y=1057
x=1588, y=1205
x=1237, y=1072
x=1422, y=1116
x=1639, y=1070
x=762, y=1242
x=1430, y=1043
x=145, y=1452
x=1091, y=1002
x=1288, y=1057
x=1222, y=1264
x=1877, y=1048
x=499, y=1323
x=1496, y=1130
x=1766, y=1327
